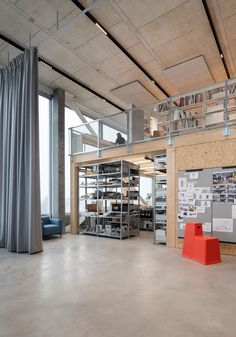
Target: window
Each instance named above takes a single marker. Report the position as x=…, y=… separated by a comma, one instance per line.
x=44, y=150
x=110, y=133
x=146, y=188
x=71, y=119
x=94, y=125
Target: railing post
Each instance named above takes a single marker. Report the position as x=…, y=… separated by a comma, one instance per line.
x=127, y=131
x=70, y=141
x=203, y=110
x=226, y=116
x=170, y=138
x=98, y=140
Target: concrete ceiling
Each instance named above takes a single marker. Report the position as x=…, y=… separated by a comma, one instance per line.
x=171, y=39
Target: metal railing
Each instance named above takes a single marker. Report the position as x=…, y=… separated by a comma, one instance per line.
x=204, y=109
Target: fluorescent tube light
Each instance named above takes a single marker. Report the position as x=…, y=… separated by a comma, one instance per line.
x=46, y=65
x=103, y=30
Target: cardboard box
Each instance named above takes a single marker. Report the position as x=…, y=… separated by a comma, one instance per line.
x=92, y=208
x=157, y=133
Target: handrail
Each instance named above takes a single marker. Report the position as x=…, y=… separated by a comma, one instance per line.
x=208, y=108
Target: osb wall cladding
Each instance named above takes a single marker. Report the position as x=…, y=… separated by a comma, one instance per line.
x=213, y=154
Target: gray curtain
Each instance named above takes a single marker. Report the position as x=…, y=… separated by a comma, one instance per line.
x=20, y=223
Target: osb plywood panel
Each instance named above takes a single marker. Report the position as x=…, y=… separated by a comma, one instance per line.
x=206, y=155
x=212, y=154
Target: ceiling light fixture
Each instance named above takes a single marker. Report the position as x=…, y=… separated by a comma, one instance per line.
x=46, y=65
x=100, y=27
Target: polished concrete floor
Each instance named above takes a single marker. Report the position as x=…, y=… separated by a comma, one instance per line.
x=95, y=287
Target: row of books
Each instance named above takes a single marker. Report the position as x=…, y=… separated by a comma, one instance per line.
x=196, y=98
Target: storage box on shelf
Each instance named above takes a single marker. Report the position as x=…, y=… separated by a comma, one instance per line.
x=159, y=200
x=110, y=193
x=146, y=218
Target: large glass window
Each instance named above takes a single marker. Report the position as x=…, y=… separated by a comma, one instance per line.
x=44, y=143
x=94, y=125
x=110, y=133
x=146, y=189
x=71, y=119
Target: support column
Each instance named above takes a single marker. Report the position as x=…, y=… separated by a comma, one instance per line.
x=58, y=155
x=74, y=199
x=136, y=124
x=171, y=228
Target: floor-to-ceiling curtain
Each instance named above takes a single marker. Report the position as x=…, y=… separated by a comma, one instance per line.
x=20, y=225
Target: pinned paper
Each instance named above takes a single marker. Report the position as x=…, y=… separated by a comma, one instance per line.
x=190, y=195
x=193, y=175
x=191, y=202
x=183, y=201
x=192, y=214
x=206, y=189
x=206, y=227
x=200, y=209
x=206, y=196
x=223, y=225
x=183, y=208
x=182, y=225
x=182, y=195
x=190, y=186
x=233, y=211
x=205, y=203
x=182, y=183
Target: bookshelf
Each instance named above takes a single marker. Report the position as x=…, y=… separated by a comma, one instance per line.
x=206, y=107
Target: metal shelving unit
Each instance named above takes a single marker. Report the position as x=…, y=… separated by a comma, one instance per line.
x=159, y=200
x=110, y=196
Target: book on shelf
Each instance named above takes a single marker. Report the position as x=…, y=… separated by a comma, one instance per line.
x=190, y=99
x=232, y=89
x=163, y=106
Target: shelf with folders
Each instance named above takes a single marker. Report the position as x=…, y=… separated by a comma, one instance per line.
x=109, y=199
x=159, y=200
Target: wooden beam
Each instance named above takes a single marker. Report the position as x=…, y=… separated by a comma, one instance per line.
x=121, y=152
x=73, y=105
x=155, y=146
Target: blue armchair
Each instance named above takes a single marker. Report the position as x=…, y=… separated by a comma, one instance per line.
x=51, y=226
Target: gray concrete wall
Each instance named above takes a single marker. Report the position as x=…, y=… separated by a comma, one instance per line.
x=58, y=154
x=136, y=124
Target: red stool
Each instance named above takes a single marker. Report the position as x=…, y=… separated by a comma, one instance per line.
x=203, y=249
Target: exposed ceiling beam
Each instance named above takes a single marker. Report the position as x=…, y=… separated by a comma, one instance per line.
x=208, y=14
x=94, y=114
x=132, y=59
x=73, y=106
x=61, y=72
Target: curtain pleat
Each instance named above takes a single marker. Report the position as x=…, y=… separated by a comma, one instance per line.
x=20, y=220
